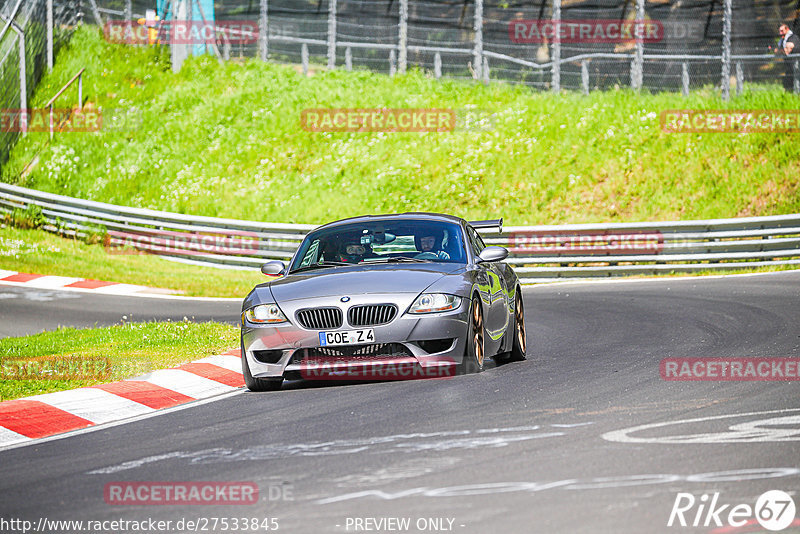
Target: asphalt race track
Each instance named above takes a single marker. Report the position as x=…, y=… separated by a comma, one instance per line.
x=545, y=445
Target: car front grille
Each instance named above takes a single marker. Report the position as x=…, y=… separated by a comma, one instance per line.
x=371, y=314
x=377, y=351
x=320, y=318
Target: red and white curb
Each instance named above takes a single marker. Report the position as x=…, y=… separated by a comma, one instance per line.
x=39, y=416
x=40, y=281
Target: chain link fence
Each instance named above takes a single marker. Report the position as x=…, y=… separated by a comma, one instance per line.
x=583, y=45
x=31, y=33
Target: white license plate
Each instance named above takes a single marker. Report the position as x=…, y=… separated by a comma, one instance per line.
x=347, y=337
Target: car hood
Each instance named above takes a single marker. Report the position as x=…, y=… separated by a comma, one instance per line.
x=361, y=279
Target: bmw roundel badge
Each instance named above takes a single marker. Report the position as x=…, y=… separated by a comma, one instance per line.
x=345, y=299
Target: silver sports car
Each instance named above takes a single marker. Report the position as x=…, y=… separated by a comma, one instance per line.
x=383, y=297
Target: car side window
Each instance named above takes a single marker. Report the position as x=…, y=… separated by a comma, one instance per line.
x=475, y=240
x=311, y=254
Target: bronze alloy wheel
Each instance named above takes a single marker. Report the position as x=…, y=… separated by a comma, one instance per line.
x=478, y=351
x=520, y=338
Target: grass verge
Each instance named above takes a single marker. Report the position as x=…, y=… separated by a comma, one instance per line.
x=83, y=357
x=39, y=252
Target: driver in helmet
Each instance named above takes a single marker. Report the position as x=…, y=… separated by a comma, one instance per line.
x=430, y=245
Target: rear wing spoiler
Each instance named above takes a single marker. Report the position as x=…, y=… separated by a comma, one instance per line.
x=491, y=223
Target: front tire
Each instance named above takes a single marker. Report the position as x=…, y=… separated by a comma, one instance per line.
x=475, y=351
x=258, y=384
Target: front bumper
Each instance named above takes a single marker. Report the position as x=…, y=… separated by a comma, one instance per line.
x=431, y=341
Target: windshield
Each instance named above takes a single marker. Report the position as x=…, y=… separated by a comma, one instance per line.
x=381, y=242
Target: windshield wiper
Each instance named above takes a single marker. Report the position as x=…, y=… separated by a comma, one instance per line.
x=321, y=265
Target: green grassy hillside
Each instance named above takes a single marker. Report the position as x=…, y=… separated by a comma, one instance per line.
x=225, y=140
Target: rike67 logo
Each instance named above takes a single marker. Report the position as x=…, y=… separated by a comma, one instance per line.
x=774, y=510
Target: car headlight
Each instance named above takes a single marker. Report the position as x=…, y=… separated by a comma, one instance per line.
x=265, y=313
x=434, y=302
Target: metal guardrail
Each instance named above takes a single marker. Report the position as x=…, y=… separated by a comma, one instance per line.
x=538, y=253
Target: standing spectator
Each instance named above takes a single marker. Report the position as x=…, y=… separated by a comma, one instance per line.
x=789, y=49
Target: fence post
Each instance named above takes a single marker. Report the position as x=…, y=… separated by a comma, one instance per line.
x=23, y=82
x=263, y=30
x=402, y=40
x=331, y=34
x=226, y=46
x=585, y=77
x=797, y=77
x=555, y=81
x=637, y=66
x=128, y=11
x=392, y=62
x=96, y=13
x=304, y=58
x=348, y=59
x=685, y=78
x=477, y=51
x=485, y=70
x=437, y=65
x=49, y=35
x=726, y=50
x=739, y=78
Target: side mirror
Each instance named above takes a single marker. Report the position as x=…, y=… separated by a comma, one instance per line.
x=273, y=268
x=493, y=254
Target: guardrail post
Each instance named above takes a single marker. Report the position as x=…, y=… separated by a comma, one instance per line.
x=331, y=34
x=685, y=78
x=477, y=51
x=637, y=66
x=555, y=81
x=304, y=58
x=348, y=59
x=726, y=50
x=263, y=30
x=49, y=35
x=437, y=65
x=585, y=77
x=402, y=38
